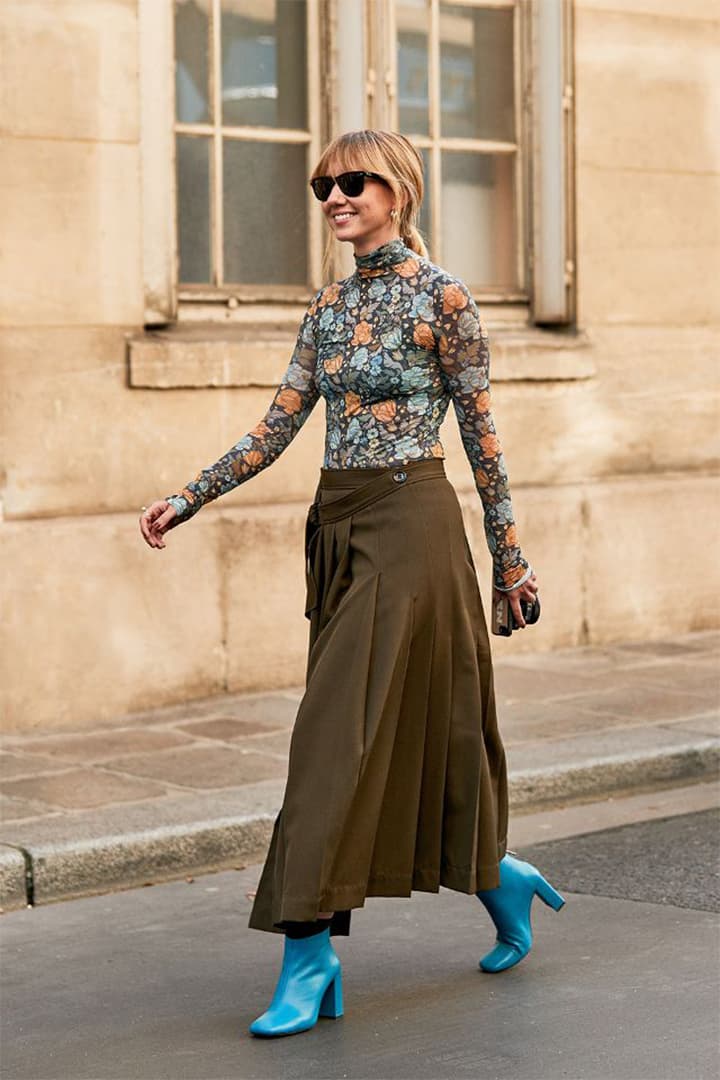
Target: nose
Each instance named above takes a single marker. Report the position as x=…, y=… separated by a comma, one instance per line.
x=335, y=198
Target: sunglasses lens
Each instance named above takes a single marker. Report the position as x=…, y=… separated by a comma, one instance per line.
x=322, y=186
x=351, y=183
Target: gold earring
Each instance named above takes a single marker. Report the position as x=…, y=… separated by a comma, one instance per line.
x=393, y=214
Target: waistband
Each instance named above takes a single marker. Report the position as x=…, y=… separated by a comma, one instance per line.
x=369, y=485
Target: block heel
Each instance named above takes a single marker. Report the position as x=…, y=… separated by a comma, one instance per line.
x=548, y=895
x=332, y=1002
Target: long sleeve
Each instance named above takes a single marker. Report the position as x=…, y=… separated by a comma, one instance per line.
x=293, y=402
x=465, y=364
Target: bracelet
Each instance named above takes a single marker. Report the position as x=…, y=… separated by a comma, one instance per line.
x=526, y=576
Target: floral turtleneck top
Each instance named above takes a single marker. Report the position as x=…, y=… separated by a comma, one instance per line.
x=388, y=348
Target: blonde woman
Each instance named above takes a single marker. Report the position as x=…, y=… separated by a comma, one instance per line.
x=396, y=774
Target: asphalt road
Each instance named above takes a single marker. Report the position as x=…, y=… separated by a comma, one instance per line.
x=162, y=982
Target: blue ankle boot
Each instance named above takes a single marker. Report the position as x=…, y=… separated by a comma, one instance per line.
x=310, y=985
x=509, y=908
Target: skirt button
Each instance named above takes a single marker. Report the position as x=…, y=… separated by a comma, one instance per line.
x=400, y=477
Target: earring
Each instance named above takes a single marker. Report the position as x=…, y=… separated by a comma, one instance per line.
x=393, y=214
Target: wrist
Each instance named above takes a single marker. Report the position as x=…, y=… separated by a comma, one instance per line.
x=180, y=505
x=509, y=579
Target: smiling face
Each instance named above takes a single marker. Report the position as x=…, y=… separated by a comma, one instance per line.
x=365, y=220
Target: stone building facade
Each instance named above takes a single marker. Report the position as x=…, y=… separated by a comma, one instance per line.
x=158, y=247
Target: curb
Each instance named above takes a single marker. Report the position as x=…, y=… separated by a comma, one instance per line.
x=45, y=871
x=15, y=887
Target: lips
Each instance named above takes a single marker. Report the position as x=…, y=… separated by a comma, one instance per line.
x=340, y=219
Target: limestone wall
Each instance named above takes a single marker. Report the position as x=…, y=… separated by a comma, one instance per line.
x=612, y=475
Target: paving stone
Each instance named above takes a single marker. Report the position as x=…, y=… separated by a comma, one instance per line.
x=19, y=809
x=584, y=661
x=515, y=683
x=181, y=711
x=695, y=648
x=534, y=685
x=639, y=703
x=12, y=809
x=549, y=720
x=279, y=743
x=200, y=767
x=677, y=648
x=702, y=676
x=13, y=766
x=700, y=725
x=226, y=728
x=79, y=789
x=272, y=711
x=100, y=745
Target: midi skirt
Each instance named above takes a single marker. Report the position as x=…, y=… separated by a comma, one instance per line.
x=396, y=775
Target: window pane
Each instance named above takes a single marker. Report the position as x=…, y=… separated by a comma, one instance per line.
x=191, y=61
x=424, y=215
x=412, y=66
x=193, y=208
x=476, y=72
x=264, y=63
x=265, y=213
x=478, y=218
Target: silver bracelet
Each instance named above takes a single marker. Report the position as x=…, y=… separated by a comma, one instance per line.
x=526, y=577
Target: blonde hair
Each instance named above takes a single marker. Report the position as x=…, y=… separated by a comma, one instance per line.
x=398, y=162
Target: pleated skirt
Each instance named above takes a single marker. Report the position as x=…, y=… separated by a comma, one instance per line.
x=396, y=775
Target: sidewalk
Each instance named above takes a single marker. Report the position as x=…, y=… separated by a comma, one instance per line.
x=196, y=787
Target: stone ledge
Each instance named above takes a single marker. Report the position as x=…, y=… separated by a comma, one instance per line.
x=256, y=354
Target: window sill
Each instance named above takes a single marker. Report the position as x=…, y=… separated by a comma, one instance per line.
x=256, y=354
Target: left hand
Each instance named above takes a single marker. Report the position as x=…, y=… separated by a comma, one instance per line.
x=526, y=591
x=155, y=520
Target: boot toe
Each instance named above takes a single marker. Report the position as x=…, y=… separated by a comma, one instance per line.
x=268, y=1025
x=501, y=958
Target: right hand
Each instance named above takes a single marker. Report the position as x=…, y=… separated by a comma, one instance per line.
x=527, y=591
x=155, y=521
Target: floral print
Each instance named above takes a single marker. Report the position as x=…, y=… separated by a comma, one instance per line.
x=388, y=348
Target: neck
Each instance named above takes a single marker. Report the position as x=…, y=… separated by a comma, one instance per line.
x=379, y=259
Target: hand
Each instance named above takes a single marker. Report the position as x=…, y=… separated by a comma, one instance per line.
x=155, y=520
x=526, y=591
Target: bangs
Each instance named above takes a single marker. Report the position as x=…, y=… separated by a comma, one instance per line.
x=348, y=153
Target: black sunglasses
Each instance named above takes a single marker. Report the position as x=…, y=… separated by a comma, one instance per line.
x=350, y=183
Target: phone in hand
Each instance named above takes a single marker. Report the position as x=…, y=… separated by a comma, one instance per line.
x=503, y=621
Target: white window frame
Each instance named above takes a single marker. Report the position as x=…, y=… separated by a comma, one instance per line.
x=544, y=98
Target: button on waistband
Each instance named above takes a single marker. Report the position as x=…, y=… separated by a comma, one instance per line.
x=400, y=476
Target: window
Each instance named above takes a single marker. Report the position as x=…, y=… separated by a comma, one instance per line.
x=457, y=82
x=240, y=95
x=246, y=129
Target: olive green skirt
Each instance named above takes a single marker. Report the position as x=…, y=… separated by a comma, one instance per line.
x=396, y=776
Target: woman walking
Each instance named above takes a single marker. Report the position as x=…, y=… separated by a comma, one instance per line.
x=396, y=774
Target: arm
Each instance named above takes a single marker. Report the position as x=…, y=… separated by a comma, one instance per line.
x=293, y=402
x=465, y=364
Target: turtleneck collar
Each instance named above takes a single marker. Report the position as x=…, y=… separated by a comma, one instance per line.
x=380, y=259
